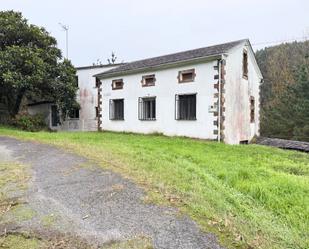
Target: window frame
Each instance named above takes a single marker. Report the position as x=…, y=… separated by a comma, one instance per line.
x=112, y=115
x=177, y=107
x=114, y=83
x=76, y=81
x=245, y=66
x=146, y=77
x=141, y=113
x=187, y=71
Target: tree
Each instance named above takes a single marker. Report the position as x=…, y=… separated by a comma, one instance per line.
x=282, y=108
x=31, y=66
x=290, y=118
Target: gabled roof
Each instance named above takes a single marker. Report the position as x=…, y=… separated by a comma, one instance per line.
x=170, y=59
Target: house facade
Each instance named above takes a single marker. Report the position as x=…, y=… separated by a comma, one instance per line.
x=207, y=93
x=84, y=119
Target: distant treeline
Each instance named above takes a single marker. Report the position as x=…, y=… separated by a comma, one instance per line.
x=285, y=91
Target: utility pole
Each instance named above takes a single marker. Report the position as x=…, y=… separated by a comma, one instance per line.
x=66, y=29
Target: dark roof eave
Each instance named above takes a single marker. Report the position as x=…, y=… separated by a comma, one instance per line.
x=162, y=66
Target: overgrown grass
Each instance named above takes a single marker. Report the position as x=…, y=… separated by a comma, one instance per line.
x=248, y=195
x=13, y=177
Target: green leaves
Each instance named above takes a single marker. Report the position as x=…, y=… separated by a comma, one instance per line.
x=285, y=92
x=30, y=65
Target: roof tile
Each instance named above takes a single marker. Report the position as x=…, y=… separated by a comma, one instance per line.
x=171, y=58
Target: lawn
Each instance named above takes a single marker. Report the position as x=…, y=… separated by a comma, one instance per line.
x=250, y=196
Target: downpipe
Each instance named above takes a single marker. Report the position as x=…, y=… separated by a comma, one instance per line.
x=219, y=99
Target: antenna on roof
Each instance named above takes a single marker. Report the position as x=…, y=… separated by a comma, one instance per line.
x=66, y=29
x=113, y=59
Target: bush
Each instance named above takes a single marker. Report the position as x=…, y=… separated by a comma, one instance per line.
x=30, y=122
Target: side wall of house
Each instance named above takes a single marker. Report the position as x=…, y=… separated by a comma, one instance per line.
x=87, y=97
x=238, y=90
x=165, y=89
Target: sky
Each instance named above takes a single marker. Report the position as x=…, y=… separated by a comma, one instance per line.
x=136, y=29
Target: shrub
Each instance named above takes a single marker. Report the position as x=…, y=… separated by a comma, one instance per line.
x=29, y=122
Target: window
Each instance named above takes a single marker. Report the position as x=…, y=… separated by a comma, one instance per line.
x=147, y=108
x=245, y=65
x=97, y=112
x=149, y=80
x=97, y=82
x=117, y=84
x=185, y=107
x=116, y=111
x=76, y=80
x=186, y=76
x=74, y=113
x=252, y=109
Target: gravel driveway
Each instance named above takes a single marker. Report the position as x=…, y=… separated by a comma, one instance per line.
x=96, y=205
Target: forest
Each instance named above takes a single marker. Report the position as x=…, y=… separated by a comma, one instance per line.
x=285, y=90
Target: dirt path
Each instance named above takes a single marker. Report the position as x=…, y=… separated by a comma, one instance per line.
x=70, y=195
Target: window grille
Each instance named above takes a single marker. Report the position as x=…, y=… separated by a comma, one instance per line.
x=147, y=108
x=116, y=109
x=185, y=106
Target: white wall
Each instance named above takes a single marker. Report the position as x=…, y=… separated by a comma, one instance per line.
x=87, y=97
x=165, y=88
x=237, y=96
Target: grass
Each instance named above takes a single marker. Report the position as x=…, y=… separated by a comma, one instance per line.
x=21, y=213
x=13, y=177
x=19, y=242
x=248, y=195
x=49, y=220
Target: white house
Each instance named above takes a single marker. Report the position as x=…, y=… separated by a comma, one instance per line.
x=84, y=119
x=208, y=93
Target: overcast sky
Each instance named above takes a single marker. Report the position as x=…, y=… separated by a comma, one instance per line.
x=137, y=29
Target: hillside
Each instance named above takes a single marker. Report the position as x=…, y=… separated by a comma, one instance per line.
x=285, y=91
